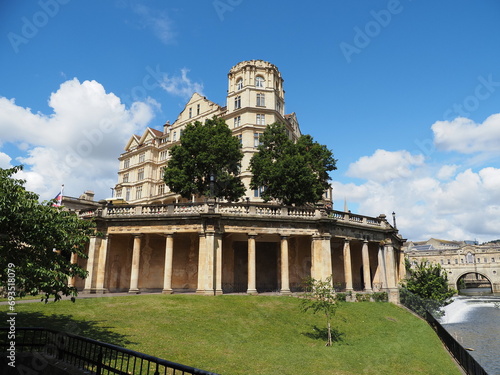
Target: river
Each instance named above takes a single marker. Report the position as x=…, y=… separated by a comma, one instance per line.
x=474, y=321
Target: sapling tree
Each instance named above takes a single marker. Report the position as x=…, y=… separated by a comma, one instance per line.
x=319, y=296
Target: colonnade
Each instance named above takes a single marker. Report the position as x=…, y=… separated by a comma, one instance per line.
x=210, y=262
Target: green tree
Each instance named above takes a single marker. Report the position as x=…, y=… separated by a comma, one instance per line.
x=425, y=288
x=206, y=163
x=37, y=240
x=320, y=296
x=293, y=173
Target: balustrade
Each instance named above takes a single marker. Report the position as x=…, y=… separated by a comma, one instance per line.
x=241, y=208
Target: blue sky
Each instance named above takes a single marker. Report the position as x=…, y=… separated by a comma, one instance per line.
x=405, y=93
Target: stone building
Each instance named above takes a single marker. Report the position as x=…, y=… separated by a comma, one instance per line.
x=158, y=242
x=255, y=98
x=465, y=262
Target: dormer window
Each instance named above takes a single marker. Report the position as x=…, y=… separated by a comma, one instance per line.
x=259, y=81
x=239, y=84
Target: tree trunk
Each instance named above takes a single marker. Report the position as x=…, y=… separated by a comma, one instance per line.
x=329, y=342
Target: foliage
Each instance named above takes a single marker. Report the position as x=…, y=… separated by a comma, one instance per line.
x=206, y=150
x=380, y=296
x=425, y=288
x=37, y=240
x=293, y=173
x=319, y=296
x=361, y=297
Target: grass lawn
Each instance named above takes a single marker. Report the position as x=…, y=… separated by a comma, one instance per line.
x=251, y=334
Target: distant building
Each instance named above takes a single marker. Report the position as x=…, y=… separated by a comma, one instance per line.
x=460, y=259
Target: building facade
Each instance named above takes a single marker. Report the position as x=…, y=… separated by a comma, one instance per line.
x=465, y=262
x=255, y=98
x=154, y=241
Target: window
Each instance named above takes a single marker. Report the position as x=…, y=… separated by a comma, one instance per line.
x=142, y=157
x=492, y=260
x=161, y=189
x=138, y=192
x=127, y=194
x=237, y=121
x=258, y=192
x=175, y=136
x=237, y=102
x=261, y=119
x=278, y=106
x=126, y=163
x=470, y=258
x=456, y=261
x=259, y=81
x=256, y=139
x=125, y=177
x=239, y=84
x=118, y=192
x=240, y=138
x=449, y=261
x=479, y=260
x=163, y=155
x=190, y=112
x=261, y=100
x=140, y=174
x=197, y=109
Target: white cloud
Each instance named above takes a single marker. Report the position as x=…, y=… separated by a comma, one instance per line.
x=385, y=165
x=465, y=136
x=446, y=172
x=5, y=161
x=78, y=144
x=181, y=85
x=159, y=23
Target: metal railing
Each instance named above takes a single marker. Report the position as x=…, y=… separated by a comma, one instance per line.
x=91, y=355
x=466, y=360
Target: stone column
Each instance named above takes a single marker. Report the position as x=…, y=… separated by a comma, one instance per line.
x=390, y=266
x=90, y=265
x=218, y=264
x=74, y=260
x=321, y=267
x=285, y=277
x=167, y=271
x=252, y=269
x=210, y=243
x=136, y=258
x=381, y=267
x=347, y=265
x=101, y=271
x=366, y=267
x=391, y=274
x=202, y=264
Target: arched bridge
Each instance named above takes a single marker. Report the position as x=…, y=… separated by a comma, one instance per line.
x=481, y=260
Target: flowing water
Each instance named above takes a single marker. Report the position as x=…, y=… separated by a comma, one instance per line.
x=474, y=321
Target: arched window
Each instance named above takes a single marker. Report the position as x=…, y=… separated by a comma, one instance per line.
x=259, y=81
x=470, y=258
x=239, y=84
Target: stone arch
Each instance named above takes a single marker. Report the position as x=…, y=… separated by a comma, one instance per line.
x=465, y=273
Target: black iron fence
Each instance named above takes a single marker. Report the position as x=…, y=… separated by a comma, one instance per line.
x=466, y=360
x=91, y=355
